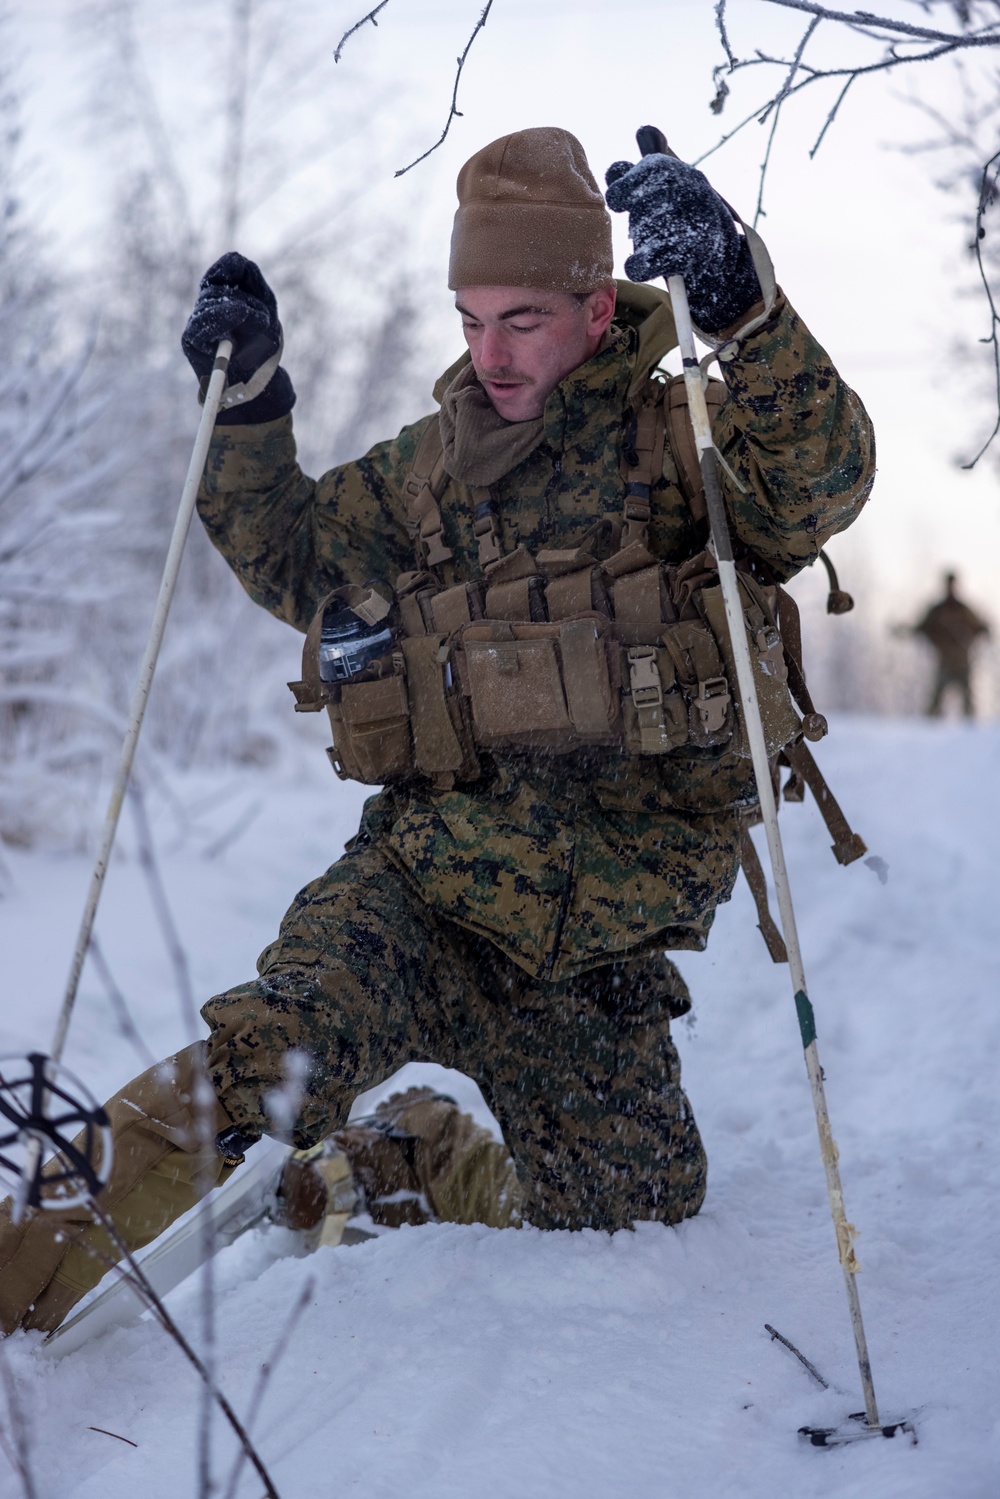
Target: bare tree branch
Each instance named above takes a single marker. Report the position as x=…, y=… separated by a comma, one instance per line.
x=831, y=116
x=775, y=110
x=720, y=22
x=357, y=27
x=266, y=1370
x=454, y=113
x=141, y=1284
x=899, y=44
x=171, y=936
x=119, y=1004
x=987, y=198
x=988, y=36
x=18, y=1449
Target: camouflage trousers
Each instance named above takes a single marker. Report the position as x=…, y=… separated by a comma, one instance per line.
x=582, y=1075
x=951, y=674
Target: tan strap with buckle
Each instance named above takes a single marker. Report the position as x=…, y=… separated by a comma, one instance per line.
x=422, y=489
x=680, y=438
x=750, y=860
x=847, y=845
x=646, y=689
x=643, y=441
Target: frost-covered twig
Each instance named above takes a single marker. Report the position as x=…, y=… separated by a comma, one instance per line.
x=205, y=1107
x=988, y=189
x=985, y=37
x=357, y=27
x=775, y=1334
x=233, y=833
x=119, y=1004
x=775, y=110
x=900, y=44
x=140, y=1283
x=161, y=906
x=49, y=430
x=207, y=1299
x=266, y=1370
x=17, y=1449
x=454, y=112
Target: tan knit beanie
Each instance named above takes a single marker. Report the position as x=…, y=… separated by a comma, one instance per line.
x=531, y=214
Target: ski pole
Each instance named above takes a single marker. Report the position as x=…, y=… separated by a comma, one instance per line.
x=651, y=140
x=140, y=697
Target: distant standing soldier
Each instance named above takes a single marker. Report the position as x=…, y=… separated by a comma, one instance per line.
x=952, y=628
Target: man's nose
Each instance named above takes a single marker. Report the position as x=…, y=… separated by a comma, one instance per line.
x=495, y=352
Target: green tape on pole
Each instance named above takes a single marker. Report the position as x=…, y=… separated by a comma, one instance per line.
x=807, y=1020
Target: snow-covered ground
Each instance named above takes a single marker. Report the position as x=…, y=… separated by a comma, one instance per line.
x=461, y=1363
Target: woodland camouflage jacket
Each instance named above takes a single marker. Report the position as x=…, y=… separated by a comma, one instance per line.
x=567, y=862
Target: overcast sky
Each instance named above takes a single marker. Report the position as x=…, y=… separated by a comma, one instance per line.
x=863, y=244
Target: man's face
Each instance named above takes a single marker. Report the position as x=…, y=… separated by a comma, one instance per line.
x=524, y=341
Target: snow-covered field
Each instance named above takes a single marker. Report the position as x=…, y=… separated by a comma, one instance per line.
x=462, y=1363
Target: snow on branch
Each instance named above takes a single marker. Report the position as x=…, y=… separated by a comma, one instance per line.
x=896, y=44
x=988, y=191
x=862, y=20
x=454, y=112
x=357, y=27
x=901, y=44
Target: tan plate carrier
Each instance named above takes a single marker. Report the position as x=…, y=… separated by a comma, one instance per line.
x=553, y=651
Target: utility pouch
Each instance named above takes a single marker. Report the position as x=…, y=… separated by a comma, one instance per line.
x=574, y=585
x=518, y=600
x=442, y=739
x=454, y=607
x=539, y=685
x=654, y=710
x=359, y=635
x=415, y=593
x=369, y=711
x=701, y=677
x=371, y=729
x=780, y=721
x=642, y=606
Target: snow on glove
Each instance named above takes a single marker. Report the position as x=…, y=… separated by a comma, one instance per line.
x=234, y=301
x=679, y=225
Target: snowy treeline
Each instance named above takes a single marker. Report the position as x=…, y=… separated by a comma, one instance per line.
x=99, y=411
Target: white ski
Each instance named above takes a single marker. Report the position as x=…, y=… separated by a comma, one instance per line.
x=216, y=1222
x=246, y=1200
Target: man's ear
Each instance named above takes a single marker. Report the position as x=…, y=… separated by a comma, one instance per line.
x=600, y=310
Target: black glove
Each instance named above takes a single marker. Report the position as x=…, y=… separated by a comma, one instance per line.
x=234, y=301
x=679, y=225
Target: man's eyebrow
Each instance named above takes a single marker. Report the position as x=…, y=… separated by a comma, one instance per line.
x=513, y=312
x=526, y=309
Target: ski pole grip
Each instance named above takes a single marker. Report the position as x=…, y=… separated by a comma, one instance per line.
x=652, y=141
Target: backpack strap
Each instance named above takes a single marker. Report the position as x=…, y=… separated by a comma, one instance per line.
x=422, y=488
x=486, y=525
x=773, y=939
x=642, y=463
x=838, y=601
x=814, y=725
x=847, y=845
x=680, y=438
